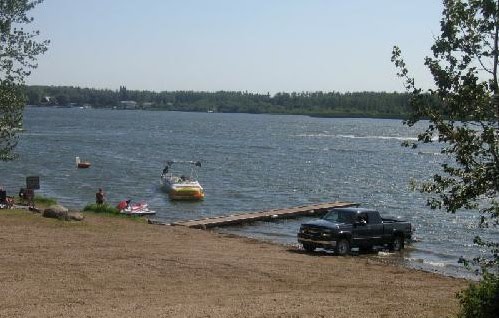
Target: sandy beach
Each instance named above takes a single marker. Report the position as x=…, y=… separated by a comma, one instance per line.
x=115, y=267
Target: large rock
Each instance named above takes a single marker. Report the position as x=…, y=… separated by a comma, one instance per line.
x=75, y=216
x=56, y=212
x=62, y=213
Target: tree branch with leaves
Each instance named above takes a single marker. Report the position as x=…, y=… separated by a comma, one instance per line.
x=465, y=121
x=18, y=52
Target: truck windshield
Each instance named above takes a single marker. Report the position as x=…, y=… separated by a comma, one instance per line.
x=339, y=216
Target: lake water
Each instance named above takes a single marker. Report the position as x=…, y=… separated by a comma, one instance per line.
x=249, y=163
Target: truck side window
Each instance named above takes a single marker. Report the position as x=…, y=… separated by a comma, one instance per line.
x=363, y=218
x=374, y=217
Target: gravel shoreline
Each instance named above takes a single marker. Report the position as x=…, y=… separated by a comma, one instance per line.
x=115, y=267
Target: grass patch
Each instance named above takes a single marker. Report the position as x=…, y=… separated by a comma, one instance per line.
x=18, y=213
x=21, y=217
x=43, y=201
x=38, y=201
x=108, y=210
x=101, y=208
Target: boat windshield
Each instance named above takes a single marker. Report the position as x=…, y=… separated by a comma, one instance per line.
x=184, y=173
x=338, y=216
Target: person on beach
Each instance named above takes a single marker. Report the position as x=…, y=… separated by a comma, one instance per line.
x=99, y=197
x=22, y=194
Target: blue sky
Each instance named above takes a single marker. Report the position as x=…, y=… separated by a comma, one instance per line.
x=253, y=45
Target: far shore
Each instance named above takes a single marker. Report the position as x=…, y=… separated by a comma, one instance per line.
x=105, y=266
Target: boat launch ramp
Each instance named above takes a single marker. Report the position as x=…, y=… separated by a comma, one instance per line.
x=267, y=215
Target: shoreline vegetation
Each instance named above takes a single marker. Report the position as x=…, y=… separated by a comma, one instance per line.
x=316, y=104
x=118, y=267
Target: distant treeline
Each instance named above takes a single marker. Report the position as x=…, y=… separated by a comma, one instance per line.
x=324, y=104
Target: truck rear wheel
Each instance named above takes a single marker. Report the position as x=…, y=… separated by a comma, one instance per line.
x=397, y=244
x=343, y=247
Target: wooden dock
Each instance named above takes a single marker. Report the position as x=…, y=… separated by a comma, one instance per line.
x=268, y=215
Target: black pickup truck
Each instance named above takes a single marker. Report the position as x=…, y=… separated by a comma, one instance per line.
x=342, y=229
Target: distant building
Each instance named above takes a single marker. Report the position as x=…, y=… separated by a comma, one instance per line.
x=128, y=104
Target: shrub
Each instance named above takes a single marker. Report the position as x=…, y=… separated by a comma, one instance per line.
x=101, y=208
x=480, y=300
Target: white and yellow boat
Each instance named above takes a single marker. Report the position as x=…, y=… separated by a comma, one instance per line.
x=183, y=187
